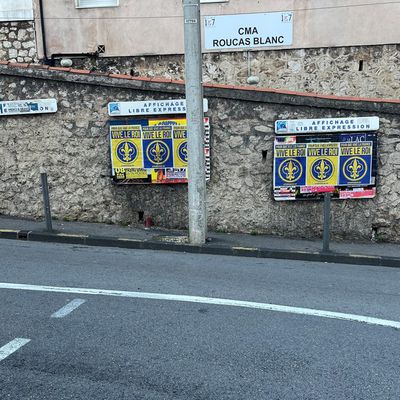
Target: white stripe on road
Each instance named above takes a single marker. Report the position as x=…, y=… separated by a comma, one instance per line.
x=12, y=347
x=207, y=300
x=68, y=308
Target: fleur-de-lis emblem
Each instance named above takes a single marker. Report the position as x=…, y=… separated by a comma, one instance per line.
x=322, y=168
x=158, y=152
x=290, y=169
x=126, y=152
x=183, y=152
x=355, y=168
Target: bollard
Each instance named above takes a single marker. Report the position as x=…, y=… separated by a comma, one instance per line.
x=148, y=223
x=327, y=222
x=46, y=202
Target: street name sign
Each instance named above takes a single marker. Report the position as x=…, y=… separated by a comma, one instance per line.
x=248, y=31
x=34, y=106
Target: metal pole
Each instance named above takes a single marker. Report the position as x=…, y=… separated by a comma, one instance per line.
x=327, y=222
x=46, y=201
x=195, y=124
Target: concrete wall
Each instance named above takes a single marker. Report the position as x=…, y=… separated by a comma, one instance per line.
x=72, y=146
x=153, y=27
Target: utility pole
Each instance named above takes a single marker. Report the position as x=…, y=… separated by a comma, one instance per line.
x=195, y=123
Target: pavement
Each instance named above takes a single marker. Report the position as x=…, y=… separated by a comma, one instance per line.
x=261, y=246
x=157, y=325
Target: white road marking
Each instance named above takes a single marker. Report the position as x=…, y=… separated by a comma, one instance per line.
x=207, y=300
x=12, y=347
x=68, y=308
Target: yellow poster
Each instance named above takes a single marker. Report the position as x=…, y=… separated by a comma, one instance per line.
x=126, y=146
x=180, y=147
x=322, y=164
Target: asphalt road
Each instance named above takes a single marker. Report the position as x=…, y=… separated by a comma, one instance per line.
x=119, y=347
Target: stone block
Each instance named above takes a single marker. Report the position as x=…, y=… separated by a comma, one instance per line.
x=22, y=34
x=28, y=45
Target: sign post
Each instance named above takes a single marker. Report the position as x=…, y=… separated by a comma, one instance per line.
x=46, y=202
x=195, y=125
x=327, y=222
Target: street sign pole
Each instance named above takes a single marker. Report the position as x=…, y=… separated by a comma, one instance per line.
x=195, y=123
x=46, y=202
x=327, y=223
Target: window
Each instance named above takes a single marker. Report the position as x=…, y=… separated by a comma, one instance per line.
x=16, y=10
x=96, y=3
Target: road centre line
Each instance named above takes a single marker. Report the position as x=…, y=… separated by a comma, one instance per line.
x=206, y=300
x=12, y=347
x=68, y=308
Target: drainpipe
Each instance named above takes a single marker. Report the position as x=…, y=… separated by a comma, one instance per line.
x=43, y=30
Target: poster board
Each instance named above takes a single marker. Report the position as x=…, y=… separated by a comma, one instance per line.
x=307, y=166
x=152, y=150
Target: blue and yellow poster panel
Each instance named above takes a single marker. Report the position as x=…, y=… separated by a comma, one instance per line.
x=305, y=168
x=151, y=150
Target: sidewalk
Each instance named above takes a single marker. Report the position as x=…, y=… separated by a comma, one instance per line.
x=263, y=246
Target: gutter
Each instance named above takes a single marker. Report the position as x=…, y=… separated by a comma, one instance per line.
x=46, y=61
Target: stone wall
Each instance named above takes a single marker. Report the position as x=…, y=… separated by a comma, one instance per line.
x=17, y=41
x=72, y=146
x=366, y=71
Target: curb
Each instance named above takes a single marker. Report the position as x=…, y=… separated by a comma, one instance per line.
x=90, y=240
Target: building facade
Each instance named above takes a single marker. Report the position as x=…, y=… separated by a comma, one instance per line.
x=346, y=47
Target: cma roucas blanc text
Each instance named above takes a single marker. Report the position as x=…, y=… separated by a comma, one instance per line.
x=244, y=40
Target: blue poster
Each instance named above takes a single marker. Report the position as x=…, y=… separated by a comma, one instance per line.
x=290, y=165
x=355, y=163
x=157, y=147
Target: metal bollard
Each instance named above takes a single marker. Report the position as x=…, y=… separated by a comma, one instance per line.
x=46, y=202
x=327, y=223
